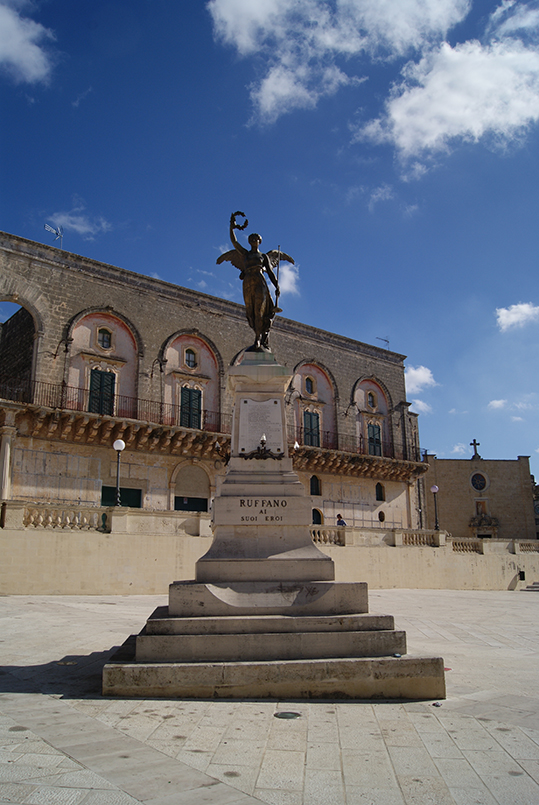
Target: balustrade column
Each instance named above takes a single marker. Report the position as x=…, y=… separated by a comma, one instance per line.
x=7, y=432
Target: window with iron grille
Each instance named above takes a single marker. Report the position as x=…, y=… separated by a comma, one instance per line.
x=101, y=398
x=311, y=429
x=375, y=442
x=190, y=407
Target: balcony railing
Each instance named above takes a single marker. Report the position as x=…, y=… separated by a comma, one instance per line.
x=71, y=398
x=329, y=440
x=77, y=399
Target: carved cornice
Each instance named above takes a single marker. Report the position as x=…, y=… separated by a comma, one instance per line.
x=79, y=427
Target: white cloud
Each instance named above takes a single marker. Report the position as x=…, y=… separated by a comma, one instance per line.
x=22, y=52
x=420, y=407
x=516, y=419
x=289, y=278
x=417, y=378
x=468, y=92
x=382, y=193
x=510, y=17
x=494, y=404
x=460, y=449
x=301, y=41
x=76, y=103
x=516, y=315
x=76, y=220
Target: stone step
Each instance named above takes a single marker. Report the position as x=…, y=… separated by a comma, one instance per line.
x=268, y=646
x=418, y=678
x=532, y=588
x=160, y=622
x=190, y=599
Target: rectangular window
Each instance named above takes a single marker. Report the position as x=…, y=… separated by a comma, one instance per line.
x=311, y=429
x=101, y=399
x=375, y=442
x=190, y=504
x=128, y=497
x=190, y=407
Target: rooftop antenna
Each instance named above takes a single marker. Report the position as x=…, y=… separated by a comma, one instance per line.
x=59, y=232
x=385, y=340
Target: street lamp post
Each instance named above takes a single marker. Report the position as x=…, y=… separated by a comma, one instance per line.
x=118, y=445
x=435, y=489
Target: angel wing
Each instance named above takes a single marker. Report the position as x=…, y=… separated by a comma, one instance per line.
x=275, y=255
x=233, y=257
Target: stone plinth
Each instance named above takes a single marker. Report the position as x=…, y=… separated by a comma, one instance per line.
x=261, y=515
x=264, y=616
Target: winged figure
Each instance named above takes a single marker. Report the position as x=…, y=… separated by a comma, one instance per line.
x=260, y=308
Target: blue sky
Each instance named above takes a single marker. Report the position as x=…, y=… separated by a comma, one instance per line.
x=390, y=146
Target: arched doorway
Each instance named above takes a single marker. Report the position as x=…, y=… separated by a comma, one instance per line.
x=192, y=490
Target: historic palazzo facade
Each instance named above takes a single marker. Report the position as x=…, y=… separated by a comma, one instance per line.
x=97, y=353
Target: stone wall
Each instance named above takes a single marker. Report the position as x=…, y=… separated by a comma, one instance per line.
x=50, y=550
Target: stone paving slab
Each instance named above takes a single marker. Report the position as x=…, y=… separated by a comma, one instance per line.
x=62, y=742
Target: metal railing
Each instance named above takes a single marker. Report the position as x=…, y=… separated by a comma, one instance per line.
x=328, y=440
x=72, y=398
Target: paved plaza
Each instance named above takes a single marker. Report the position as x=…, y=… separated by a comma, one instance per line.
x=61, y=743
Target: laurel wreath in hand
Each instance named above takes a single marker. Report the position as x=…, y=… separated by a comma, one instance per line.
x=237, y=226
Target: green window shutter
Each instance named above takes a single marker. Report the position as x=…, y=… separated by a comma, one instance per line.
x=190, y=407
x=311, y=428
x=101, y=398
x=375, y=443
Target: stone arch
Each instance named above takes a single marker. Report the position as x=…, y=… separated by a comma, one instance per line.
x=193, y=331
x=110, y=311
x=378, y=382
x=191, y=392
x=102, y=378
x=318, y=401
x=20, y=336
x=192, y=483
x=373, y=405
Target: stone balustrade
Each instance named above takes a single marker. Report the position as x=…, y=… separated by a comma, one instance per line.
x=467, y=546
x=328, y=536
x=74, y=518
x=419, y=538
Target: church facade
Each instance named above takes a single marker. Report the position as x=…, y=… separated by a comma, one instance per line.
x=98, y=353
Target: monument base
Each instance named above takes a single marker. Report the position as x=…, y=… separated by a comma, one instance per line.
x=416, y=678
x=264, y=617
x=253, y=640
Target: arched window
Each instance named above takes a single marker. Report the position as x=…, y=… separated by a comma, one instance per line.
x=380, y=492
x=309, y=385
x=317, y=517
x=190, y=358
x=104, y=338
x=316, y=486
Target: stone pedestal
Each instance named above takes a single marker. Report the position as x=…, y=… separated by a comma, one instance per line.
x=264, y=616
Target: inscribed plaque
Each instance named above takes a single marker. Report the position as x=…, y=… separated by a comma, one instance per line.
x=257, y=419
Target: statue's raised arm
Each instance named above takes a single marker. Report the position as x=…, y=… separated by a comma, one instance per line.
x=260, y=308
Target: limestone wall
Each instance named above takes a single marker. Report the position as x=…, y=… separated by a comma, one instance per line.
x=55, y=551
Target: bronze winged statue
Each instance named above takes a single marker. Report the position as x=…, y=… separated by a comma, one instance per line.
x=260, y=308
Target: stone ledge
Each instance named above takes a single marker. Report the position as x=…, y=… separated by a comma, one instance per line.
x=414, y=678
